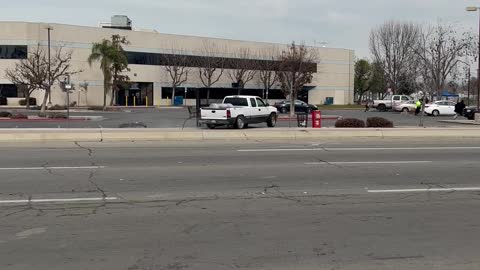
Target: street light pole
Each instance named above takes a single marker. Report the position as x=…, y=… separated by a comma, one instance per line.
x=468, y=71
x=49, y=28
x=468, y=87
x=478, y=60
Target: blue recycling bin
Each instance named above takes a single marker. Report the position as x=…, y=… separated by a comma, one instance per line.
x=329, y=101
x=178, y=101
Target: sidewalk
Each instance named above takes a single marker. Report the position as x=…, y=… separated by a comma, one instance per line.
x=193, y=134
x=461, y=122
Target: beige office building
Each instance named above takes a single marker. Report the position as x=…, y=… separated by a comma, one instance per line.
x=150, y=83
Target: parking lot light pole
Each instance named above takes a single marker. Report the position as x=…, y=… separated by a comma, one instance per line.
x=49, y=29
x=468, y=74
x=472, y=9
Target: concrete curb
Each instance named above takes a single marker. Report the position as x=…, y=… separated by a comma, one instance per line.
x=127, y=135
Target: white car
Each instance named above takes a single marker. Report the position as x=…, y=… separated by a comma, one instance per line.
x=442, y=107
x=408, y=106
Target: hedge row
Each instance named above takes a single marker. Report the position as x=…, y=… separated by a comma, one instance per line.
x=372, y=122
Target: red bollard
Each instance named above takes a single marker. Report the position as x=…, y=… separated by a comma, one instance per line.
x=316, y=119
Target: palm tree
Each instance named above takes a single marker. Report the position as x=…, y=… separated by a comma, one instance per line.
x=105, y=53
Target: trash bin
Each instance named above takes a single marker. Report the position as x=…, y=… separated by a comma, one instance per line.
x=302, y=120
x=329, y=101
x=178, y=101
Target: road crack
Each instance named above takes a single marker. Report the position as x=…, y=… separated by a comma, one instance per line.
x=90, y=151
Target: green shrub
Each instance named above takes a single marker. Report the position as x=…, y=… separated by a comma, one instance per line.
x=23, y=102
x=57, y=107
x=5, y=114
x=57, y=115
x=95, y=108
x=379, y=122
x=19, y=116
x=350, y=123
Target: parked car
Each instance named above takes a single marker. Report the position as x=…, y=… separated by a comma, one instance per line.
x=440, y=108
x=408, y=106
x=389, y=103
x=300, y=106
x=469, y=112
x=239, y=112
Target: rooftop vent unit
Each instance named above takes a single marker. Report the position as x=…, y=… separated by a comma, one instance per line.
x=119, y=22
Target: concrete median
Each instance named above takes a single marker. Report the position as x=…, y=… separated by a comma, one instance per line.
x=125, y=135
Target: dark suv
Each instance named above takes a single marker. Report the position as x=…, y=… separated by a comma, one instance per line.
x=469, y=112
x=300, y=106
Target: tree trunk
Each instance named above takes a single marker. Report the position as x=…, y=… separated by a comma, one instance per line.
x=208, y=95
x=173, y=94
x=105, y=90
x=112, y=98
x=27, y=100
x=44, y=102
x=293, y=97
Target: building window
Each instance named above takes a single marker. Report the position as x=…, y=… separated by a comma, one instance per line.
x=9, y=90
x=13, y=52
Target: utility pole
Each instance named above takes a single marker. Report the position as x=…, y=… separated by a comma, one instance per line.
x=468, y=86
x=49, y=29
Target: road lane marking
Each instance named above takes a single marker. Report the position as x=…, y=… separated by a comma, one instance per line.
x=370, y=162
x=424, y=190
x=360, y=149
x=58, y=200
x=52, y=168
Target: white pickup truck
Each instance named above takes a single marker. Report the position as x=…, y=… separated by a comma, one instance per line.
x=390, y=102
x=239, y=112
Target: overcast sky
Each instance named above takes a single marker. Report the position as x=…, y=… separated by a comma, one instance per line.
x=341, y=23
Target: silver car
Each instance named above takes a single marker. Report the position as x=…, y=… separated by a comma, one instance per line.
x=407, y=106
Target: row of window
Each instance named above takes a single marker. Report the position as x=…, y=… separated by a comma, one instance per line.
x=161, y=59
x=13, y=52
x=219, y=93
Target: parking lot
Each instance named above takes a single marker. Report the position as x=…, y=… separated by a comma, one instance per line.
x=178, y=117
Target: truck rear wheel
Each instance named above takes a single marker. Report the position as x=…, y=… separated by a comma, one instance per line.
x=240, y=123
x=382, y=108
x=272, y=120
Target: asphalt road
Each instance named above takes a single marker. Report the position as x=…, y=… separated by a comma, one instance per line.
x=178, y=117
x=337, y=204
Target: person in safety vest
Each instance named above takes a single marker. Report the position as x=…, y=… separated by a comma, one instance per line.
x=418, y=107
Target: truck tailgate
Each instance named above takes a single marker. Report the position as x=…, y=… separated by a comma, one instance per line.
x=215, y=114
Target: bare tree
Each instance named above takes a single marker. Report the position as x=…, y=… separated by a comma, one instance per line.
x=176, y=65
x=27, y=74
x=440, y=49
x=392, y=46
x=60, y=66
x=243, y=69
x=211, y=66
x=297, y=65
x=268, y=69
x=33, y=71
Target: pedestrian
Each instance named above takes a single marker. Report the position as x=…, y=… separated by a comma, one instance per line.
x=367, y=106
x=459, y=107
x=418, y=107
